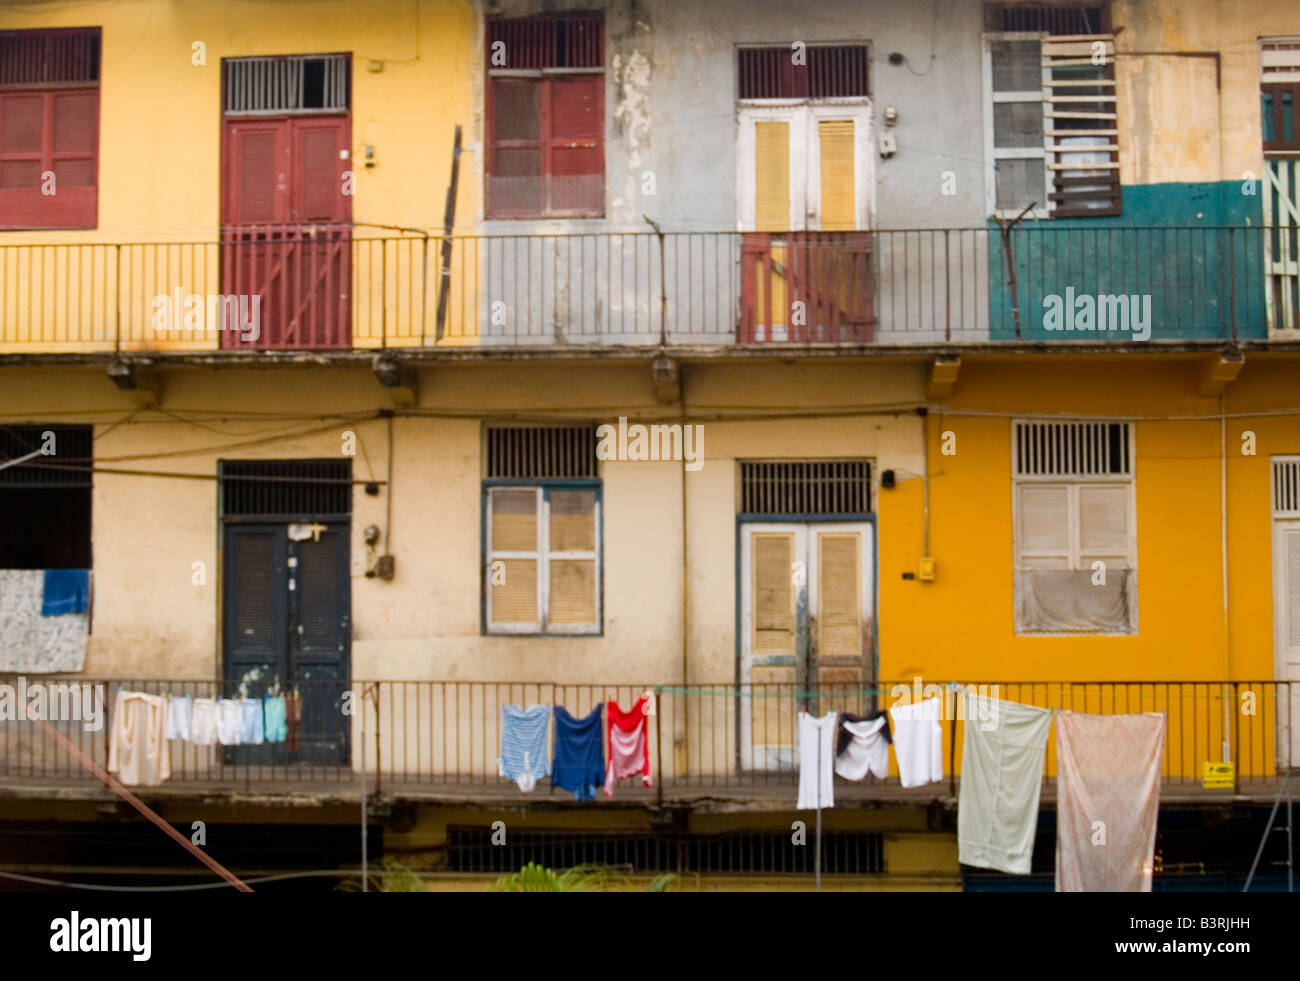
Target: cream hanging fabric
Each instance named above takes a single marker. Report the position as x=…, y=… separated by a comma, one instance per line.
x=137, y=749
x=1001, y=777
x=1108, y=796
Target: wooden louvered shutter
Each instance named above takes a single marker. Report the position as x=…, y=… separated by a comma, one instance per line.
x=575, y=151
x=772, y=176
x=514, y=529
x=838, y=188
x=318, y=177
x=1103, y=525
x=514, y=159
x=774, y=595
x=571, y=557
x=1044, y=533
x=257, y=173
x=839, y=600
x=55, y=131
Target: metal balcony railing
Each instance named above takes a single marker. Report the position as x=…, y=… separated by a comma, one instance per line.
x=341, y=287
x=441, y=739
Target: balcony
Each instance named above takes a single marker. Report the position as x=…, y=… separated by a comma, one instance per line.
x=710, y=746
x=354, y=287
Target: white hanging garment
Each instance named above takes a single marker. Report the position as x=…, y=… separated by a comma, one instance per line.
x=918, y=742
x=867, y=752
x=816, y=761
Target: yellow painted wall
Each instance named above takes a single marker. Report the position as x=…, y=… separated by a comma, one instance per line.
x=160, y=155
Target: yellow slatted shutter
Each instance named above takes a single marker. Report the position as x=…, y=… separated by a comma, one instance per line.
x=839, y=604
x=774, y=615
x=772, y=176
x=839, y=189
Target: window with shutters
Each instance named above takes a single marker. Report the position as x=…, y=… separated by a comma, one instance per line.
x=1051, y=132
x=49, y=128
x=542, y=531
x=546, y=117
x=1075, y=541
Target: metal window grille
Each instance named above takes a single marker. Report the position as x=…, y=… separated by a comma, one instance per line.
x=69, y=466
x=832, y=71
x=732, y=853
x=1072, y=449
x=289, y=84
x=286, y=488
x=534, y=43
x=49, y=57
x=1046, y=18
x=541, y=452
x=812, y=487
x=1286, y=487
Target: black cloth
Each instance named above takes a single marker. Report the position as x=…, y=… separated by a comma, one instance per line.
x=843, y=737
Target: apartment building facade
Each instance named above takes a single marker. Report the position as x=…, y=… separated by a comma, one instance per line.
x=969, y=333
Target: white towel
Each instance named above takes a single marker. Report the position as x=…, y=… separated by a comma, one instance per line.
x=203, y=721
x=178, y=717
x=1001, y=777
x=866, y=753
x=137, y=746
x=228, y=721
x=1107, y=800
x=918, y=742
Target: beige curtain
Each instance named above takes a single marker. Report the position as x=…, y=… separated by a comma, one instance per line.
x=1108, y=795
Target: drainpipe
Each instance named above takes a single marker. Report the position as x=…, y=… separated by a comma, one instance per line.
x=1223, y=556
x=681, y=719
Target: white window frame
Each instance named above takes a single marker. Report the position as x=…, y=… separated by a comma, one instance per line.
x=993, y=154
x=1073, y=482
x=543, y=556
x=803, y=115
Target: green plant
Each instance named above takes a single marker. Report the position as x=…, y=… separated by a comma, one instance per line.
x=389, y=875
x=581, y=878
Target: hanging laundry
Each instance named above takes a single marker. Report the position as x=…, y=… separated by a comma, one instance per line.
x=293, y=717
x=843, y=736
x=816, y=761
x=203, y=721
x=250, y=722
x=65, y=591
x=229, y=721
x=1109, y=772
x=137, y=743
x=918, y=742
x=523, y=756
x=178, y=717
x=1001, y=777
x=579, y=756
x=866, y=750
x=277, y=725
x=629, y=749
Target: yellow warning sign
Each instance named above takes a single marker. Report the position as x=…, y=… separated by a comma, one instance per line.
x=1218, y=775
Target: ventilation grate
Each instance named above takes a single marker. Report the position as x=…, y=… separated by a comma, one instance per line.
x=533, y=43
x=820, y=487
x=733, y=853
x=285, y=85
x=830, y=73
x=49, y=57
x=69, y=465
x=1286, y=487
x=286, y=488
x=541, y=452
x=1072, y=449
x=1045, y=19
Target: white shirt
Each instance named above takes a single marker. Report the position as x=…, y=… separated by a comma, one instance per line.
x=918, y=742
x=866, y=753
x=816, y=761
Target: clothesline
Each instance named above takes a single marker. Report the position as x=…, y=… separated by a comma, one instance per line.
x=836, y=693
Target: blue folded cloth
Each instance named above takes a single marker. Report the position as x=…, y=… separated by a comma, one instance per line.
x=579, y=754
x=66, y=591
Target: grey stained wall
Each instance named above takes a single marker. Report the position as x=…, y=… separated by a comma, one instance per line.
x=671, y=102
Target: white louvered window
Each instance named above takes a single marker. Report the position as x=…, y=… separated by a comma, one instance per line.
x=1075, y=542
x=1051, y=131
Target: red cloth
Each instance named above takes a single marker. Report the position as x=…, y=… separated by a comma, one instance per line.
x=629, y=748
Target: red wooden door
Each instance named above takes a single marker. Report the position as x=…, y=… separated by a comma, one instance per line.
x=286, y=231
